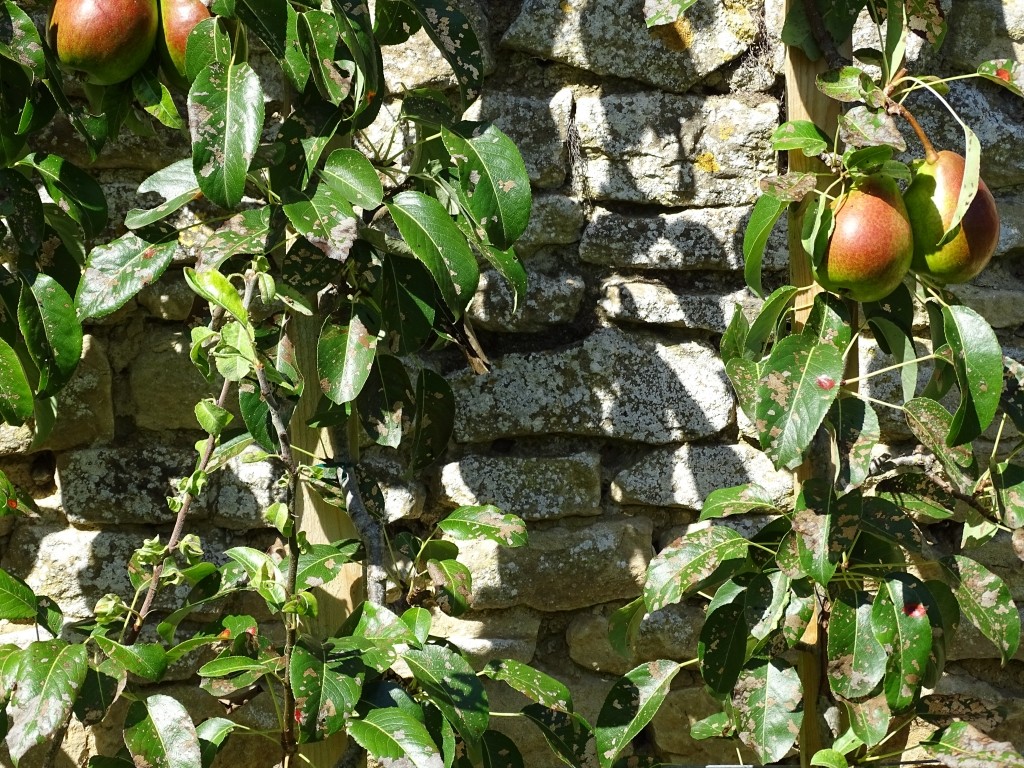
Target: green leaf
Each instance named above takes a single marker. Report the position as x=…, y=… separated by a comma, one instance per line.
x=734, y=339
x=208, y=42
x=968, y=185
x=687, y=563
x=931, y=423
x=159, y=732
x=17, y=600
x=764, y=325
x=53, y=335
x=147, y=660
x=567, y=733
x=798, y=384
x=324, y=697
x=386, y=401
x=624, y=626
x=453, y=687
x=436, y=241
x=819, y=222
x=961, y=745
x=218, y=290
x=825, y=528
x=767, y=708
x=738, y=500
x=393, y=735
x=455, y=39
x=509, y=266
x=763, y=217
x=452, y=583
x=225, y=108
x=665, y=11
x=802, y=134
x=900, y=620
x=484, y=522
x=212, y=734
x=176, y=184
x=325, y=218
x=320, y=564
x=978, y=363
x=345, y=354
x=211, y=417
x=532, y=683
x=493, y=183
x=435, y=419
x=722, y=646
x=986, y=601
x=74, y=190
x=268, y=19
x=153, y=96
x=117, y=271
x=1005, y=72
x=225, y=666
x=856, y=432
x=383, y=629
x=630, y=705
x=50, y=675
x=856, y=659
x=100, y=689
x=20, y=41
x=499, y=751
x=894, y=340
x=350, y=174
x=1012, y=399
x=829, y=758
x=16, y=404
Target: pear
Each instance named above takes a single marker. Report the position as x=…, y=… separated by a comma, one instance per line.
x=177, y=18
x=108, y=40
x=872, y=244
x=931, y=200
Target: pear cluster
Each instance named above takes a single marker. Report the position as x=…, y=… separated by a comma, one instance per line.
x=110, y=40
x=880, y=234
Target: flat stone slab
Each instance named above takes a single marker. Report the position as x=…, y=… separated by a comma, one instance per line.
x=551, y=299
x=485, y=635
x=613, y=384
x=554, y=220
x=703, y=306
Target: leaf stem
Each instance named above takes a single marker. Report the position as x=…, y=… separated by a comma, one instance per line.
x=880, y=371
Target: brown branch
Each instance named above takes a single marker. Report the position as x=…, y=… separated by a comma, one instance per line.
x=930, y=155
x=821, y=36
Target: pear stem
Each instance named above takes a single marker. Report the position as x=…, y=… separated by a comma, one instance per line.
x=930, y=155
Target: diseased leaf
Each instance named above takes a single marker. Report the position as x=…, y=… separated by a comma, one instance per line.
x=630, y=705
x=739, y=500
x=856, y=432
x=900, y=619
x=856, y=659
x=117, y=271
x=986, y=601
x=722, y=647
x=74, y=190
x=978, y=363
x=455, y=39
x=869, y=719
x=567, y=733
x=1005, y=72
x=931, y=423
x=345, y=355
x=325, y=218
x=532, y=683
x=687, y=563
x=453, y=585
x=767, y=708
x=861, y=127
x=391, y=734
x=961, y=745
x=435, y=418
x=453, y=687
x=325, y=698
x=147, y=660
x=484, y=522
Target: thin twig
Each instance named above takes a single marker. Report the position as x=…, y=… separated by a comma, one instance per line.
x=821, y=35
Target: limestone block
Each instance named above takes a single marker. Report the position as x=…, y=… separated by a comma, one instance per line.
x=404, y=499
x=165, y=386
x=554, y=220
x=983, y=30
x=15, y=440
x=996, y=295
x=684, y=476
x=551, y=299
x=170, y=298
x=671, y=729
x=706, y=239
x=244, y=489
x=534, y=488
x=538, y=125
x=123, y=485
x=486, y=635
x=703, y=304
x=670, y=633
x=562, y=569
x=1011, y=230
x=614, y=384
x=686, y=151
x=609, y=37
x=85, y=406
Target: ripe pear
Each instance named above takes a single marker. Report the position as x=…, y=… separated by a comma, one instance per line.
x=177, y=18
x=108, y=40
x=931, y=200
x=872, y=244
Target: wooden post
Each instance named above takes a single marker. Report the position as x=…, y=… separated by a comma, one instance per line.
x=320, y=522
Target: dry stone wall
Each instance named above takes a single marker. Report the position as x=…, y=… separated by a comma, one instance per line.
x=606, y=417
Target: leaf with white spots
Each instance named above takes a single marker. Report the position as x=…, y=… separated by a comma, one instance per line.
x=386, y=401
x=499, y=751
x=630, y=705
x=350, y=174
x=147, y=660
x=530, y=682
x=453, y=585
x=961, y=745
x=899, y=616
x=324, y=697
x=435, y=419
x=434, y=239
x=1005, y=72
x=324, y=217
x=52, y=332
x=225, y=116
x=738, y=500
x=117, y=271
x=978, y=363
x=159, y=732
x=75, y=191
x=454, y=37
x=931, y=423
x=688, y=563
x=395, y=737
x=856, y=659
x=986, y=601
x=485, y=522
x=453, y=687
x=345, y=353
x=320, y=564
x=22, y=209
x=854, y=426
x=567, y=733
x=722, y=646
x=48, y=678
x=19, y=39
x=767, y=710
x=176, y=184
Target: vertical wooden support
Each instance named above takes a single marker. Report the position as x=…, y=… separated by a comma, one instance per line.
x=320, y=522
x=805, y=102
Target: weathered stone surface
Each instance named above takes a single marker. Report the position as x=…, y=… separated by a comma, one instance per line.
x=533, y=488
x=486, y=635
x=707, y=239
x=538, y=125
x=562, y=568
x=613, y=384
x=165, y=385
x=404, y=499
x=683, y=477
x=996, y=295
x=650, y=147
x=551, y=299
x=14, y=440
x=670, y=633
x=123, y=485
x=969, y=643
x=998, y=556
x=983, y=30
x=85, y=406
x=609, y=37
x=671, y=730
x=701, y=305
x=554, y=220
x=244, y=489
x=1011, y=230
x=168, y=299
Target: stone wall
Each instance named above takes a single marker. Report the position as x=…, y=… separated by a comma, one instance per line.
x=606, y=416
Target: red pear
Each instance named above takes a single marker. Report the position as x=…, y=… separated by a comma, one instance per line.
x=108, y=40
x=931, y=200
x=872, y=243
x=177, y=18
